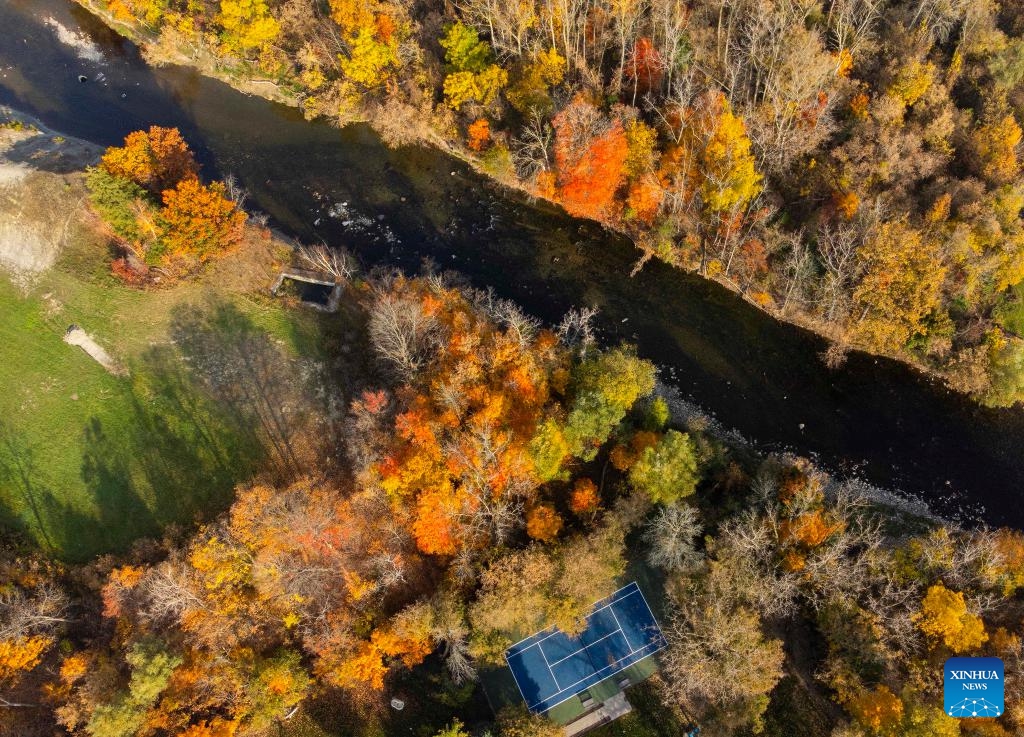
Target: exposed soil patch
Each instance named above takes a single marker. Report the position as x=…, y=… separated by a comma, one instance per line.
x=41, y=201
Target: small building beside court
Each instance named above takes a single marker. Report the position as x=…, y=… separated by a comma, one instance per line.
x=580, y=680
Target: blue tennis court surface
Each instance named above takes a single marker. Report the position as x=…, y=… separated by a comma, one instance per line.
x=551, y=666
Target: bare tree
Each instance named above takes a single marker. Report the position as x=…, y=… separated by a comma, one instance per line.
x=451, y=631
x=852, y=23
x=718, y=654
x=798, y=269
x=520, y=326
x=566, y=24
x=167, y=592
x=837, y=249
x=669, y=20
x=938, y=18
x=401, y=332
x=531, y=151
x=626, y=16
x=773, y=67
x=234, y=191
x=333, y=261
x=576, y=330
x=510, y=24
x=23, y=614
x=746, y=554
x=670, y=537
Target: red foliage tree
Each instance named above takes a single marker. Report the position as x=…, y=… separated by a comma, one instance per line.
x=645, y=66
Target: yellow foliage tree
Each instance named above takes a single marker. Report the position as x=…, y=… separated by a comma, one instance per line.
x=532, y=88
x=1008, y=569
x=912, y=82
x=21, y=654
x=353, y=15
x=903, y=274
x=713, y=158
x=371, y=61
x=247, y=25
x=995, y=144
x=473, y=77
x=463, y=87
x=878, y=710
x=150, y=12
x=944, y=619
x=641, y=140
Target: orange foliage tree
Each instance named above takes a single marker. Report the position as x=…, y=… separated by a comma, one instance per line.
x=809, y=529
x=645, y=66
x=590, y=154
x=624, y=455
x=880, y=710
x=199, y=222
x=584, y=499
x=543, y=522
x=645, y=196
x=996, y=143
x=155, y=160
x=457, y=467
x=479, y=134
x=304, y=563
x=21, y=654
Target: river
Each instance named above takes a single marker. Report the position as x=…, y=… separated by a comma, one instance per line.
x=873, y=417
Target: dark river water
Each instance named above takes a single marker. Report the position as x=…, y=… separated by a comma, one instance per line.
x=873, y=418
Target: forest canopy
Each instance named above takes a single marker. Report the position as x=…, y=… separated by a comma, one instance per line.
x=487, y=477
x=849, y=165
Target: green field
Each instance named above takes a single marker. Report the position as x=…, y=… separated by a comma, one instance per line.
x=90, y=461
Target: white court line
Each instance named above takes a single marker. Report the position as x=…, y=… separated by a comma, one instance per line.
x=619, y=625
x=562, y=701
x=584, y=648
x=653, y=618
x=521, y=694
x=557, y=631
x=538, y=642
x=632, y=650
x=630, y=654
x=613, y=599
x=553, y=678
x=631, y=584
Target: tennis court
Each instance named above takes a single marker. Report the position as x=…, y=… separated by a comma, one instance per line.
x=551, y=666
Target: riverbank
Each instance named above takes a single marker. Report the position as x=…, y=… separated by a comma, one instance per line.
x=404, y=125
x=872, y=418
x=95, y=456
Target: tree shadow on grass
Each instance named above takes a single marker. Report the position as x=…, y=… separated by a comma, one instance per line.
x=189, y=449
x=20, y=481
x=55, y=525
x=266, y=394
x=220, y=405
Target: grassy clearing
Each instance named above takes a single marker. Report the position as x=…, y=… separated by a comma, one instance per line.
x=89, y=461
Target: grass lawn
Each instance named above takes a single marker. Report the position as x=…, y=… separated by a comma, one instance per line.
x=90, y=461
